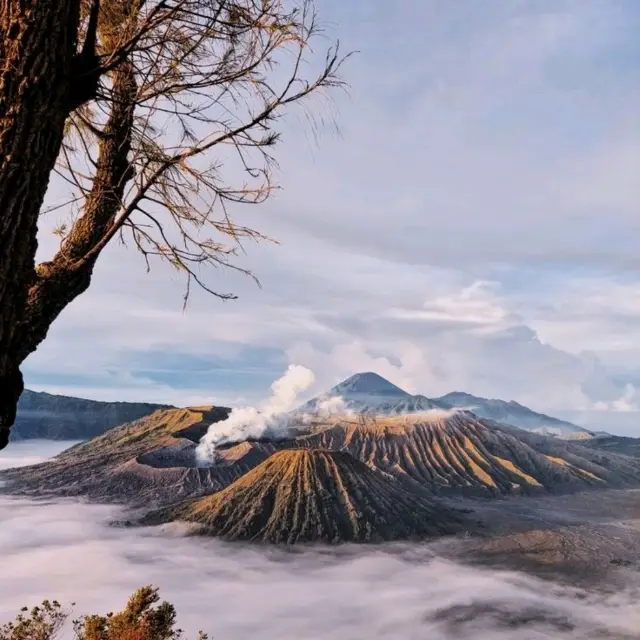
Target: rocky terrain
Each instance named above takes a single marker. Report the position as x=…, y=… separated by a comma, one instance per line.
x=586, y=537
x=152, y=461
x=456, y=453
x=148, y=461
x=43, y=415
x=615, y=444
x=307, y=495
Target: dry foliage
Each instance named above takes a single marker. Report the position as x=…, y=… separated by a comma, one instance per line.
x=144, y=618
x=184, y=124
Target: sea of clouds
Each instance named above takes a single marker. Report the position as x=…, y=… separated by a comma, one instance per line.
x=67, y=550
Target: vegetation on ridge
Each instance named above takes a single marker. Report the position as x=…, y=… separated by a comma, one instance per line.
x=144, y=618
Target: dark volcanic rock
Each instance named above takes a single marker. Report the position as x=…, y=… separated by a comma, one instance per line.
x=42, y=415
x=313, y=495
x=615, y=444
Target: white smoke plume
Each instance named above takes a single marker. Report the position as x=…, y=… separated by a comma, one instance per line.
x=325, y=408
x=331, y=406
x=251, y=422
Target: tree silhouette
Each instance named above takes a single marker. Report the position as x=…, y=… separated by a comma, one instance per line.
x=157, y=115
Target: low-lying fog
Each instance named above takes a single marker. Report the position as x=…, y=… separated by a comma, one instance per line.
x=67, y=551
x=26, y=452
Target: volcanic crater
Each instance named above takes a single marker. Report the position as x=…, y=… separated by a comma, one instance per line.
x=347, y=477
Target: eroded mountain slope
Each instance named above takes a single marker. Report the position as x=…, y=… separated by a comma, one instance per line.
x=311, y=495
x=454, y=452
x=152, y=461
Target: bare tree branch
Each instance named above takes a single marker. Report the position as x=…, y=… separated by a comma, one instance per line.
x=182, y=128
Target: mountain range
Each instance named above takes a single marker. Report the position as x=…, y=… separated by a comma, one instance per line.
x=513, y=413
x=56, y=417
x=152, y=461
x=391, y=466
x=359, y=477
x=370, y=392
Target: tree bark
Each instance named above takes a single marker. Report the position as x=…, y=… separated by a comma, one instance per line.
x=37, y=47
x=64, y=278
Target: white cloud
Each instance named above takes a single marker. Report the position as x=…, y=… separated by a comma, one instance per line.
x=66, y=551
x=476, y=306
x=429, y=330
x=628, y=402
x=599, y=314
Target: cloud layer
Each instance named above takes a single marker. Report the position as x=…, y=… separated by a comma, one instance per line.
x=65, y=550
x=61, y=551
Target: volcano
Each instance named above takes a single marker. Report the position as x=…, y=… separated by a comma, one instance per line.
x=312, y=495
x=152, y=462
x=453, y=452
x=370, y=384
x=371, y=393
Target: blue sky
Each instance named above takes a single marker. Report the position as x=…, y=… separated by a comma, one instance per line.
x=473, y=227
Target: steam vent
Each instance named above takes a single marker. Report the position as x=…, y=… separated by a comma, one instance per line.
x=307, y=495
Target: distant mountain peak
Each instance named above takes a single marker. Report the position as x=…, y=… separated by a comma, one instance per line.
x=369, y=392
x=461, y=395
x=369, y=383
x=510, y=412
x=56, y=417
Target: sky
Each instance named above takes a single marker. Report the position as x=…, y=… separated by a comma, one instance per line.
x=472, y=225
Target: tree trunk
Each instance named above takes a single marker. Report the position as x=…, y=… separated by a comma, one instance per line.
x=37, y=46
x=68, y=274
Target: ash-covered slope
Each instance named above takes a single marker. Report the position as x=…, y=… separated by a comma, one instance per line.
x=454, y=452
x=43, y=415
x=148, y=461
x=313, y=495
x=614, y=444
x=513, y=413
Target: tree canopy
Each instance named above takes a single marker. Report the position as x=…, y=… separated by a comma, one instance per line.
x=158, y=117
